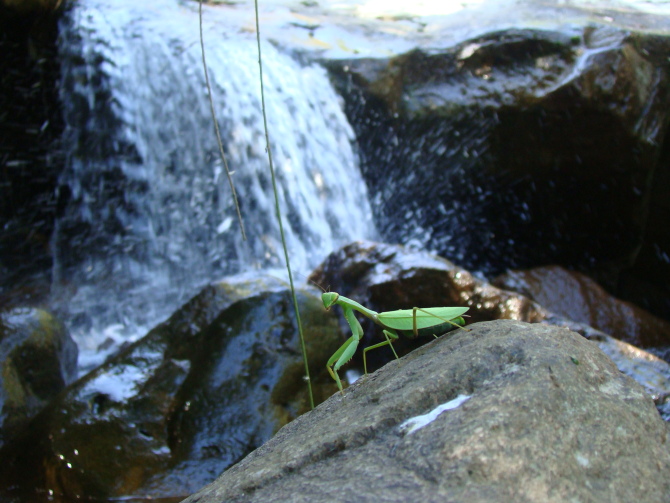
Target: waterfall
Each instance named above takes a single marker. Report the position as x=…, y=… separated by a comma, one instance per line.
x=147, y=214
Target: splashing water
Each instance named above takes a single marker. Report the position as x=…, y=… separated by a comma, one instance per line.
x=148, y=216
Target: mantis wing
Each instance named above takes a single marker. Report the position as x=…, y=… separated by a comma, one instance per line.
x=403, y=319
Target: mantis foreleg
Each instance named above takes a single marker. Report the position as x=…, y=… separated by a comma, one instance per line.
x=347, y=350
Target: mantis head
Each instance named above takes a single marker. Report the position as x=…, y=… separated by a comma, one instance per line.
x=329, y=299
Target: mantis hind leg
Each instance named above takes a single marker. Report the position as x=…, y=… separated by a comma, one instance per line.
x=390, y=337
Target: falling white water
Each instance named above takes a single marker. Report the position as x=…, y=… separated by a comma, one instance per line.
x=148, y=214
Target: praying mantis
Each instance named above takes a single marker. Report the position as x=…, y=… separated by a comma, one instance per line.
x=406, y=321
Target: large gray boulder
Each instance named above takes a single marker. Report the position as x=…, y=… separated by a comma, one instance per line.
x=507, y=411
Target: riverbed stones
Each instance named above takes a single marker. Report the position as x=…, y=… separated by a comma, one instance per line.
x=541, y=414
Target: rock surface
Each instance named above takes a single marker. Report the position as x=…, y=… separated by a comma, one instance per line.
x=31, y=157
x=33, y=6
x=549, y=418
x=38, y=359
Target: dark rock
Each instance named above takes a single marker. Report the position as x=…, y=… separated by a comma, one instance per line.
x=173, y=410
x=645, y=282
x=549, y=418
x=579, y=298
x=521, y=148
x=38, y=359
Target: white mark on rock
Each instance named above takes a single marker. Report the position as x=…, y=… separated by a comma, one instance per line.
x=582, y=460
x=416, y=423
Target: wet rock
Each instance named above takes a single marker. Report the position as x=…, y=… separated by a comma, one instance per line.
x=505, y=412
x=173, y=410
x=519, y=148
x=38, y=358
x=385, y=277
x=579, y=298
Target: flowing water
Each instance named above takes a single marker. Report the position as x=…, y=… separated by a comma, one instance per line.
x=147, y=215
x=147, y=212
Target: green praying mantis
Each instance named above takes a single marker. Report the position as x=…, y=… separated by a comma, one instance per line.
x=406, y=321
